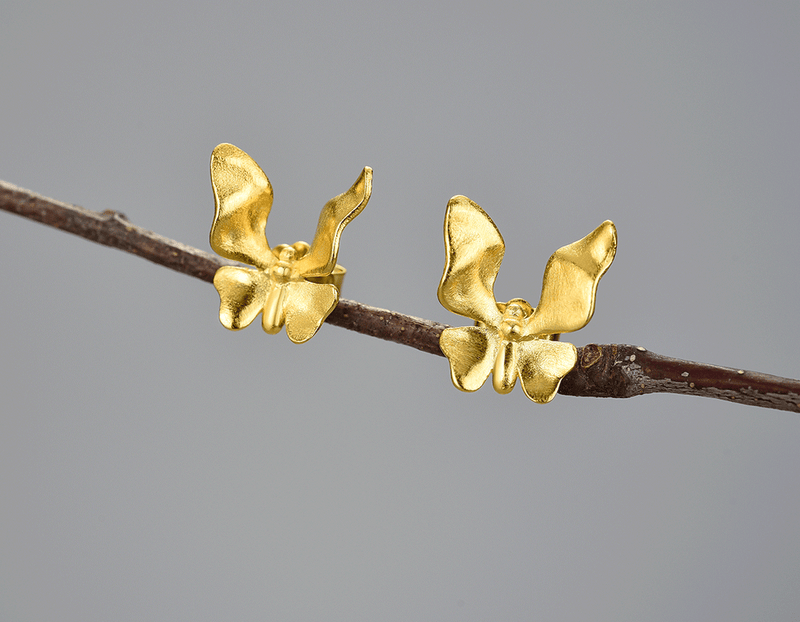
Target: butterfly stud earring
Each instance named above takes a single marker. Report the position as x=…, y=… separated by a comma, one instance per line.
x=513, y=339
x=298, y=284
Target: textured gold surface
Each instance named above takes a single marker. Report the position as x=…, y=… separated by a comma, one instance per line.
x=513, y=339
x=298, y=284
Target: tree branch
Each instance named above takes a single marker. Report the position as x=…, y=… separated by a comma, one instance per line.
x=602, y=370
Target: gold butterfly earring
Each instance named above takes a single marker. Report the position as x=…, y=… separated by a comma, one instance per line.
x=298, y=284
x=514, y=339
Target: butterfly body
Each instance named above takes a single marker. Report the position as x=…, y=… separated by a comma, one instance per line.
x=281, y=273
x=510, y=332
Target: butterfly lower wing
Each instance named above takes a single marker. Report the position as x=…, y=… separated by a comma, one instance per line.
x=242, y=294
x=474, y=251
x=243, y=199
x=542, y=364
x=306, y=306
x=570, y=282
x=335, y=216
x=472, y=351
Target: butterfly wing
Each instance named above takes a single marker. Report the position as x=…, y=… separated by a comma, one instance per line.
x=335, y=216
x=243, y=199
x=471, y=351
x=570, y=282
x=242, y=294
x=306, y=306
x=474, y=251
x=542, y=364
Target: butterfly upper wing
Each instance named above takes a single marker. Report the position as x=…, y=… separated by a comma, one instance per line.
x=474, y=251
x=335, y=216
x=243, y=199
x=570, y=282
x=242, y=294
x=306, y=306
x=542, y=364
x=472, y=351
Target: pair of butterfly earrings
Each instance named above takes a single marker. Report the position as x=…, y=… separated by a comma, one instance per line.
x=298, y=285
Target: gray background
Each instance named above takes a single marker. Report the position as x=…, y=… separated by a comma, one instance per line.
x=155, y=466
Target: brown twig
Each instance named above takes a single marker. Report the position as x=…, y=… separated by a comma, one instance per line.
x=602, y=370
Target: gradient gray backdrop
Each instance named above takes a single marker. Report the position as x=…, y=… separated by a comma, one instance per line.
x=154, y=466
